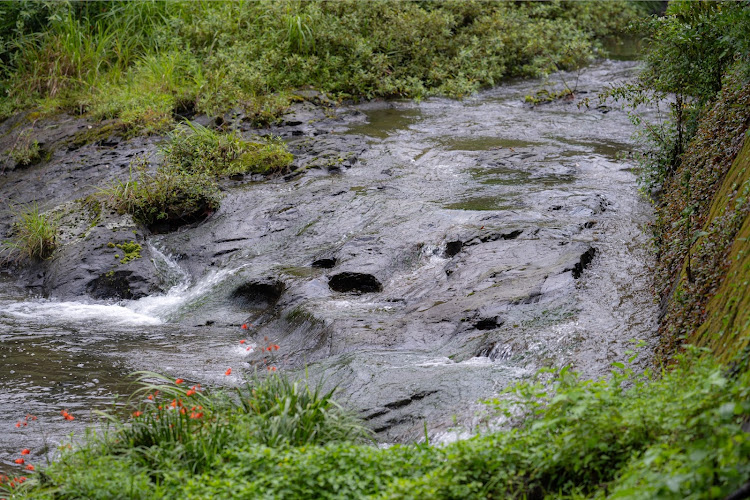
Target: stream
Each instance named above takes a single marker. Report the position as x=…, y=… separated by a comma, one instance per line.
x=425, y=256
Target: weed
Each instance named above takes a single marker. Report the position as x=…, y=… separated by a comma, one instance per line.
x=165, y=199
x=34, y=235
x=197, y=149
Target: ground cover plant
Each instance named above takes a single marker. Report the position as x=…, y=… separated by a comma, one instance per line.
x=139, y=62
x=630, y=436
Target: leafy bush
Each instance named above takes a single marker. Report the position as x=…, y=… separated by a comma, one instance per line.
x=34, y=235
x=141, y=58
x=629, y=436
x=194, y=148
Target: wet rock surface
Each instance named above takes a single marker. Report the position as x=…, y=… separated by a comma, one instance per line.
x=422, y=256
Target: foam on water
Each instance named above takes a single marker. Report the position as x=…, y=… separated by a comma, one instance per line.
x=46, y=311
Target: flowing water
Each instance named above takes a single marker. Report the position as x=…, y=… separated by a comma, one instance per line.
x=460, y=247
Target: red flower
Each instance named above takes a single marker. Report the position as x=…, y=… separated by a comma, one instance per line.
x=276, y=347
x=243, y=341
x=69, y=417
x=25, y=451
x=20, y=461
x=244, y=326
x=190, y=392
x=151, y=397
x=196, y=415
x=29, y=467
x=228, y=372
x=178, y=381
x=137, y=414
x=18, y=424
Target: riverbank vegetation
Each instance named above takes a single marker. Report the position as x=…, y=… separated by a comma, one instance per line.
x=677, y=435
x=141, y=62
x=678, y=431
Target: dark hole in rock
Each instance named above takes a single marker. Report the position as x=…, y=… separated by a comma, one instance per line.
x=112, y=285
x=582, y=264
x=589, y=224
x=173, y=223
x=325, y=263
x=258, y=295
x=512, y=235
x=453, y=247
x=489, y=323
x=354, y=282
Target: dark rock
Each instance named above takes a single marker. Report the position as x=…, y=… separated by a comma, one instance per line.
x=106, y=258
x=325, y=263
x=355, y=282
x=583, y=262
x=258, y=294
x=489, y=323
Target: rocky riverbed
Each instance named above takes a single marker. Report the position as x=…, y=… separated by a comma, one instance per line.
x=420, y=256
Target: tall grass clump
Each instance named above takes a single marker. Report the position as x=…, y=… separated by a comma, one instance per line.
x=166, y=198
x=195, y=148
x=33, y=235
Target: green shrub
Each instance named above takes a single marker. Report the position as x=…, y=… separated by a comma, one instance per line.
x=165, y=199
x=628, y=436
x=34, y=235
x=194, y=148
x=114, y=58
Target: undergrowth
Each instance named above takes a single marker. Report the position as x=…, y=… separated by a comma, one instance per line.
x=631, y=435
x=141, y=61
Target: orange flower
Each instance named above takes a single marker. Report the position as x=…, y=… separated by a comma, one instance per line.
x=29, y=467
x=18, y=424
x=178, y=381
x=20, y=461
x=243, y=341
x=244, y=326
x=228, y=372
x=137, y=414
x=173, y=404
x=190, y=392
x=276, y=347
x=25, y=451
x=183, y=411
x=271, y=368
x=151, y=397
x=196, y=415
x=69, y=417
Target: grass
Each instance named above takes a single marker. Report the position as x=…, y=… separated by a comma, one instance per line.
x=196, y=149
x=25, y=152
x=140, y=61
x=33, y=235
x=165, y=199
x=184, y=189
x=628, y=436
